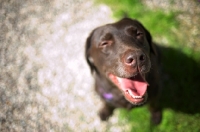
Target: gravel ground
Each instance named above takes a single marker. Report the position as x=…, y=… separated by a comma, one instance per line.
x=45, y=83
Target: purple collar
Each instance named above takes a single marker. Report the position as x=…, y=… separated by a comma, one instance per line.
x=105, y=94
x=108, y=96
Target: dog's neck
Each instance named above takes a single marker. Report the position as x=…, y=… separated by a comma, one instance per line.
x=101, y=85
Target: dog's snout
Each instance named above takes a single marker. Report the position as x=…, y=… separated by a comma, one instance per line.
x=142, y=57
x=131, y=58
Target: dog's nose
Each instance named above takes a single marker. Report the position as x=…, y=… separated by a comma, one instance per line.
x=141, y=57
x=131, y=58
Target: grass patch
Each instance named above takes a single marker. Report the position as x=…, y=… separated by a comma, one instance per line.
x=181, y=71
x=156, y=21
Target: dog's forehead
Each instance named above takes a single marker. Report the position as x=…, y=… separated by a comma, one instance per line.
x=99, y=33
x=126, y=22
x=117, y=28
x=109, y=28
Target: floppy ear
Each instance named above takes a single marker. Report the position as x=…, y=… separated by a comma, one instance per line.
x=87, y=55
x=149, y=39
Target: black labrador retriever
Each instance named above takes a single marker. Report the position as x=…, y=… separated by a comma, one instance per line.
x=125, y=65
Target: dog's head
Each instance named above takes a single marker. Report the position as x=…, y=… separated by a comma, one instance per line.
x=121, y=52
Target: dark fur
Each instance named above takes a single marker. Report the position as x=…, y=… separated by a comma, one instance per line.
x=106, y=47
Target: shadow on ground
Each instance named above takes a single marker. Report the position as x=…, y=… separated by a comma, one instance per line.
x=181, y=85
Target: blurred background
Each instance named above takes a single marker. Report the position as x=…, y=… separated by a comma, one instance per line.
x=46, y=85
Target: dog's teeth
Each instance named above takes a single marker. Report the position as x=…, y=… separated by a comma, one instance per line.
x=137, y=97
x=133, y=96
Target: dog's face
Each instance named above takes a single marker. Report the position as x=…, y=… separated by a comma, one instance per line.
x=121, y=52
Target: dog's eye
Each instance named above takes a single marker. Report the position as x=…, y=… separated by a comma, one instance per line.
x=106, y=39
x=133, y=31
x=105, y=43
x=139, y=33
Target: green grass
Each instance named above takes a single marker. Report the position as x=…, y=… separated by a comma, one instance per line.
x=160, y=24
x=181, y=71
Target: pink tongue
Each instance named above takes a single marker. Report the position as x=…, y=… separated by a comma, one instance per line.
x=137, y=85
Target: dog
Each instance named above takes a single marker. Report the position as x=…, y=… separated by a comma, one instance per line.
x=125, y=65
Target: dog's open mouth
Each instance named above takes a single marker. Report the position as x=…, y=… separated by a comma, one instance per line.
x=134, y=88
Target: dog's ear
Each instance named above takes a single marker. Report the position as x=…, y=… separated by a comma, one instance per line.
x=87, y=55
x=149, y=39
